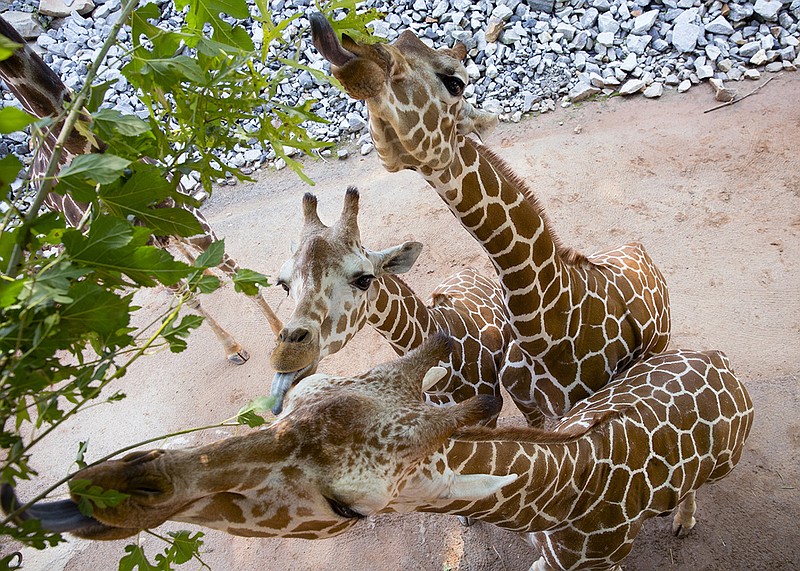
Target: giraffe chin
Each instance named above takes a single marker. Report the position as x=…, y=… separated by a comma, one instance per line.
x=282, y=382
x=61, y=516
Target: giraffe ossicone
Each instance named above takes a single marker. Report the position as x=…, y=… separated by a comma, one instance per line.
x=576, y=321
x=339, y=286
x=349, y=447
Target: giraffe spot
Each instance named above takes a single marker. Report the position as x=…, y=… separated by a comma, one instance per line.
x=420, y=98
x=400, y=95
x=430, y=120
x=638, y=494
x=593, y=368
x=222, y=507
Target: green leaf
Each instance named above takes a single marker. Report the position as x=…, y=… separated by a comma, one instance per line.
x=9, y=169
x=101, y=168
x=171, y=72
x=248, y=414
x=206, y=284
x=185, y=545
x=7, y=47
x=247, y=281
x=52, y=284
x=176, y=335
x=106, y=233
x=140, y=195
x=353, y=24
x=203, y=12
x=94, y=310
x=82, y=447
x=97, y=94
x=9, y=290
x=212, y=257
x=91, y=496
x=124, y=124
x=136, y=559
x=13, y=119
x=111, y=245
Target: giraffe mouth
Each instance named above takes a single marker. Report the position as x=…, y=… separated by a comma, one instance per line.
x=60, y=516
x=282, y=382
x=326, y=42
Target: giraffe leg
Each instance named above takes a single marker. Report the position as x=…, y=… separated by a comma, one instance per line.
x=229, y=266
x=684, y=517
x=235, y=352
x=541, y=565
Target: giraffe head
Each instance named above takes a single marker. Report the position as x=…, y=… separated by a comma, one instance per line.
x=414, y=95
x=330, y=277
x=341, y=450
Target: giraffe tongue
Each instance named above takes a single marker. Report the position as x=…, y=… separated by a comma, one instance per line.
x=281, y=383
x=56, y=517
x=326, y=42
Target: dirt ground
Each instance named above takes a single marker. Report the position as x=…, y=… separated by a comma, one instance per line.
x=714, y=197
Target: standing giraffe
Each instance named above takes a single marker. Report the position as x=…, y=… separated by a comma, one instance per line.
x=42, y=93
x=576, y=320
x=346, y=448
x=339, y=285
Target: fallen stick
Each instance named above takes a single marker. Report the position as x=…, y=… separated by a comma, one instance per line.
x=736, y=100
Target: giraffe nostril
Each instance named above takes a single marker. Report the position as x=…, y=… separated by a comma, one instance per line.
x=300, y=335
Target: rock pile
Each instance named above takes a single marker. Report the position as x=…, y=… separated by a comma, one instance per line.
x=525, y=56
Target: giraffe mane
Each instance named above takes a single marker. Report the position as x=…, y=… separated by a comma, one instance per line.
x=567, y=254
x=537, y=435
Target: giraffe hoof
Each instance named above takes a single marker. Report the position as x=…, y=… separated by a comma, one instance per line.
x=239, y=358
x=680, y=529
x=465, y=521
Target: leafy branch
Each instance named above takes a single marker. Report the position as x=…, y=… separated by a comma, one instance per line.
x=66, y=292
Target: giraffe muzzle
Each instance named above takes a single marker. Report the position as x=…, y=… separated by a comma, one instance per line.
x=59, y=517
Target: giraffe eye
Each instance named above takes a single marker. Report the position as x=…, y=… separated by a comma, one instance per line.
x=284, y=285
x=343, y=510
x=453, y=85
x=363, y=282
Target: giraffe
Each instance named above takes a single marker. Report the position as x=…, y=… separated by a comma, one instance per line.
x=338, y=286
x=348, y=447
x=576, y=320
x=42, y=94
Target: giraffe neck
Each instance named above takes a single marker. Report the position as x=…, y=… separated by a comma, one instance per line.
x=552, y=476
x=37, y=87
x=495, y=207
x=398, y=314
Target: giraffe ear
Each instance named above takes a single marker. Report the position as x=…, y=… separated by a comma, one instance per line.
x=458, y=51
x=472, y=120
x=433, y=376
x=397, y=260
x=476, y=486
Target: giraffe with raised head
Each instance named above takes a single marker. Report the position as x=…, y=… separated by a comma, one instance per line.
x=42, y=94
x=339, y=285
x=577, y=321
x=349, y=447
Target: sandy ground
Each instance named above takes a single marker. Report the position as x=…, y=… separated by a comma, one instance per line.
x=714, y=197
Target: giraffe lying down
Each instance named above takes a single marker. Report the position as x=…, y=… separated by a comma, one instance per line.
x=349, y=447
